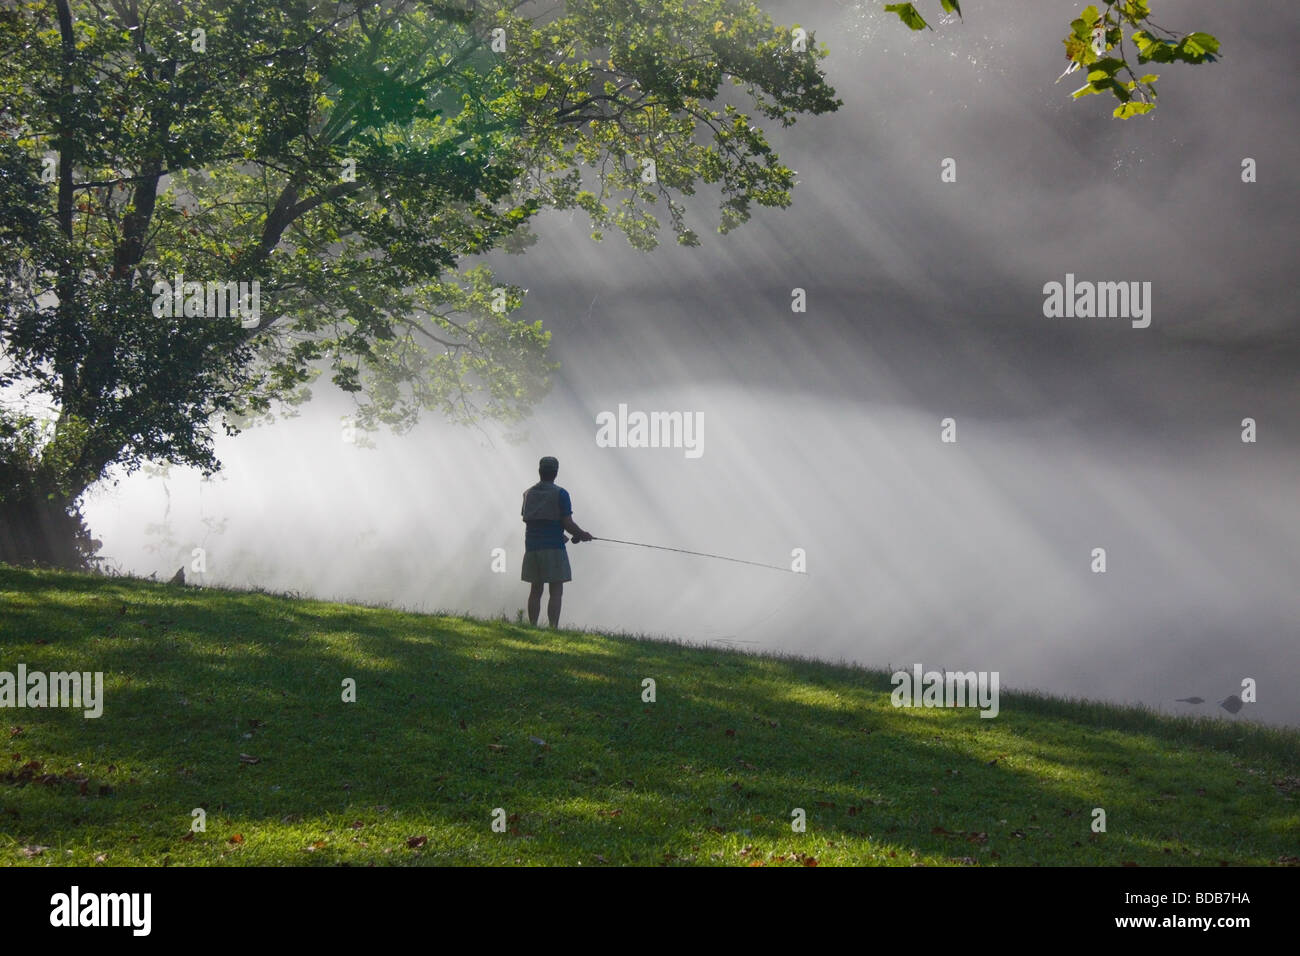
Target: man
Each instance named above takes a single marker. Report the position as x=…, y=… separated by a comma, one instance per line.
x=548, y=513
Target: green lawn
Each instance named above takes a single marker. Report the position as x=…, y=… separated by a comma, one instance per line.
x=456, y=717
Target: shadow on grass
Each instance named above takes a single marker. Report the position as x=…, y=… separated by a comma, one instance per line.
x=233, y=702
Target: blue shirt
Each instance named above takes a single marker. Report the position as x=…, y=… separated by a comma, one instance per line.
x=545, y=534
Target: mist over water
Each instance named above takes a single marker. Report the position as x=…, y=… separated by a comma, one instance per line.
x=966, y=556
x=821, y=429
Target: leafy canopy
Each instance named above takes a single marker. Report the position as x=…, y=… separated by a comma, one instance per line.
x=352, y=159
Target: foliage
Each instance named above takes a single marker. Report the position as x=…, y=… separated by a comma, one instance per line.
x=353, y=160
x=1096, y=40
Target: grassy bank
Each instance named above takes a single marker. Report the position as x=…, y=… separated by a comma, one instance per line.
x=232, y=702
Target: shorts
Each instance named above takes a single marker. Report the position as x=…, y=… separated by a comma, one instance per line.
x=546, y=567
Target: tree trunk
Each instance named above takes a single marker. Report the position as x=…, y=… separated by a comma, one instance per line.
x=39, y=528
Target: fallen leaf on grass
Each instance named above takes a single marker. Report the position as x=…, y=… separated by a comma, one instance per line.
x=33, y=851
x=731, y=733
x=416, y=842
x=237, y=839
x=496, y=748
x=249, y=758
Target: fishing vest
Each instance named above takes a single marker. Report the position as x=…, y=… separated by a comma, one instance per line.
x=542, y=502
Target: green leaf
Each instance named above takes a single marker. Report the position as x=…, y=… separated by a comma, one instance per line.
x=1198, y=48
x=1152, y=48
x=907, y=13
x=1107, y=65
x=1134, y=108
x=1135, y=10
x=951, y=6
x=1082, y=27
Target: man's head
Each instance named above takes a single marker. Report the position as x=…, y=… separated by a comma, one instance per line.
x=548, y=468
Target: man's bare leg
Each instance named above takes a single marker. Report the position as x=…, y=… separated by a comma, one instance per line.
x=535, y=603
x=553, y=605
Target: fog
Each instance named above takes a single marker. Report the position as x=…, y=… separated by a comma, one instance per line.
x=822, y=428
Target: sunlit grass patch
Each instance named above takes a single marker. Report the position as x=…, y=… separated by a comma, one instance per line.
x=233, y=704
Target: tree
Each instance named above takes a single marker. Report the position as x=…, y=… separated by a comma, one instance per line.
x=220, y=200
x=207, y=204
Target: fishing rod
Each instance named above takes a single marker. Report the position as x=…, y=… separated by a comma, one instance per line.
x=698, y=554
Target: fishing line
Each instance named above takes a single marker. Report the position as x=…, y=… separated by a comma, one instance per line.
x=763, y=619
x=701, y=554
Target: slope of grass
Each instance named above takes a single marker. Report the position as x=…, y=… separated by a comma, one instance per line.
x=456, y=717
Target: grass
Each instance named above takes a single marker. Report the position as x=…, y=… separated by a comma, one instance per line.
x=442, y=733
